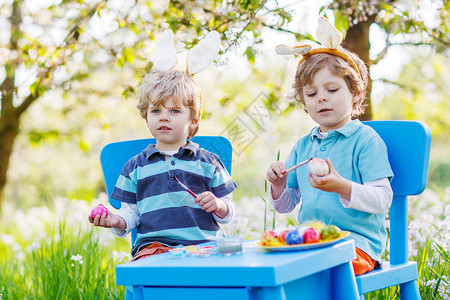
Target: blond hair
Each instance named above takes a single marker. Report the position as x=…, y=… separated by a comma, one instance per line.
x=159, y=86
x=356, y=83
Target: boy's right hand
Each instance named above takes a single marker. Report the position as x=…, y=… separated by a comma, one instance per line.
x=276, y=175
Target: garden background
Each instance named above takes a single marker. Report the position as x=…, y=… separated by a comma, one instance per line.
x=68, y=74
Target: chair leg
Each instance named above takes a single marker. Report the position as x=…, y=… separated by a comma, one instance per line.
x=269, y=293
x=344, y=282
x=128, y=295
x=410, y=290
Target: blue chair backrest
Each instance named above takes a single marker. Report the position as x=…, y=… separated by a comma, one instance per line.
x=408, y=144
x=114, y=156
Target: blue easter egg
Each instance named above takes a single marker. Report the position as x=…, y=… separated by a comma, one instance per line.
x=293, y=237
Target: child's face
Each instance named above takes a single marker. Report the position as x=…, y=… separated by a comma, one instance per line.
x=328, y=100
x=170, y=124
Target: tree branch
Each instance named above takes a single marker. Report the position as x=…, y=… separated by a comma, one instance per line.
x=281, y=29
x=27, y=102
x=382, y=54
x=400, y=85
x=439, y=40
x=245, y=27
x=31, y=98
x=76, y=27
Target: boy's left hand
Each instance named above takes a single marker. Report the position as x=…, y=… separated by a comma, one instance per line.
x=210, y=203
x=333, y=182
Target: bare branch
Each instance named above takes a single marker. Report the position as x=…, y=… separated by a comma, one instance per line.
x=399, y=84
x=281, y=29
x=27, y=102
x=48, y=73
x=439, y=40
x=245, y=27
x=76, y=27
x=382, y=54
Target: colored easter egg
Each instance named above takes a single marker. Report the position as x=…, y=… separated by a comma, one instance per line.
x=294, y=237
x=269, y=237
x=318, y=166
x=329, y=232
x=311, y=235
x=99, y=210
x=301, y=229
x=282, y=236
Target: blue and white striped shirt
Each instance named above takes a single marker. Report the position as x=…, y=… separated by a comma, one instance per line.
x=168, y=213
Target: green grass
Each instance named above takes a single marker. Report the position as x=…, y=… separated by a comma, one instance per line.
x=434, y=274
x=61, y=266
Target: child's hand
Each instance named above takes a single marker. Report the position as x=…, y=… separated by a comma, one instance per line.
x=108, y=221
x=333, y=182
x=277, y=176
x=210, y=203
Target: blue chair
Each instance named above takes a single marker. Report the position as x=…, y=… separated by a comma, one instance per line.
x=114, y=156
x=408, y=144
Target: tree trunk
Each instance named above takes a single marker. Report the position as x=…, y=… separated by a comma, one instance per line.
x=9, y=128
x=357, y=40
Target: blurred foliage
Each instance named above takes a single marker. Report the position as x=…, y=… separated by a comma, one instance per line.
x=420, y=93
x=420, y=22
x=58, y=46
x=73, y=54
x=81, y=52
x=404, y=22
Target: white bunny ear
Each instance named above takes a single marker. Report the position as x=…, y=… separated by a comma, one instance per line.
x=165, y=56
x=327, y=35
x=200, y=56
x=286, y=50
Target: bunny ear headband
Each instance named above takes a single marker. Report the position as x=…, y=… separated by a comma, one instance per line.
x=197, y=59
x=329, y=37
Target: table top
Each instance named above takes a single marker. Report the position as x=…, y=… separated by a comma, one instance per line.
x=254, y=267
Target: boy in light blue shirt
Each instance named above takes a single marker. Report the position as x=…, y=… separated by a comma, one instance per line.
x=330, y=83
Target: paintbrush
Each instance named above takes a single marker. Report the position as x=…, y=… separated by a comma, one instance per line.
x=298, y=165
x=192, y=193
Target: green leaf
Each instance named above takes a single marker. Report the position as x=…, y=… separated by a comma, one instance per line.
x=341, y=23
x=84, y=146
x=250, y=53
x=244, y=4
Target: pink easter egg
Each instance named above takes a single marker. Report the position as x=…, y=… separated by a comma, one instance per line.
x=318, y=166
x=311, y=235
x=99, y=210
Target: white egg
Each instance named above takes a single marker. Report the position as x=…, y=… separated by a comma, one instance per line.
x=318, y=166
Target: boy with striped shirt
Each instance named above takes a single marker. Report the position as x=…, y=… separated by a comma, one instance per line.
x=164, y=214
